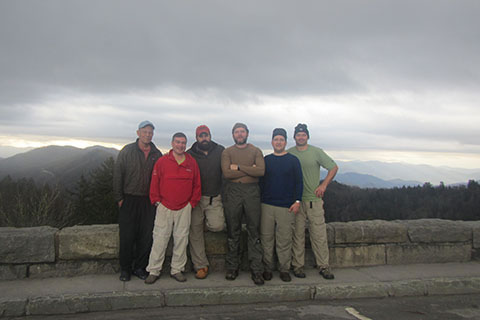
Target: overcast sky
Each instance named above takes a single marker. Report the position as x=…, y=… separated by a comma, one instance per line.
x=374, y=80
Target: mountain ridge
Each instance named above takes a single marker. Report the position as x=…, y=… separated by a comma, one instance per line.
x=410, y=172
x=65, y=165
x=55, y=164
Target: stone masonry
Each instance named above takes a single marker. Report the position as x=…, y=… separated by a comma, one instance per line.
x=43, y=252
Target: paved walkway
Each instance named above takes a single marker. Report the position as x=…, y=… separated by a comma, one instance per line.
x=106, y=292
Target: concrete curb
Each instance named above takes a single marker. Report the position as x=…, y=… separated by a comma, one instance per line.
x=75, y=303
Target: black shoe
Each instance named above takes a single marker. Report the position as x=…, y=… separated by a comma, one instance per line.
x=231, y=275
x=326, y=274
x=285, y=276
x=299, y=273
x=267, y=275
x=125, y=275
x=257, y=278
x=140, y=273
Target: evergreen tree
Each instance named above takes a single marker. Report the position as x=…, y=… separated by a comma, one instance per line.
x=105, y=209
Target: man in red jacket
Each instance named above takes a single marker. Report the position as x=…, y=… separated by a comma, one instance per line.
x=175, y=189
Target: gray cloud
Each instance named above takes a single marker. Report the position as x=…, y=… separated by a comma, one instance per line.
x=269, y=47
x=363, y=74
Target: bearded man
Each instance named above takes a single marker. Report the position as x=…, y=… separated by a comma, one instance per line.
x=242, y=165
x=209, y=211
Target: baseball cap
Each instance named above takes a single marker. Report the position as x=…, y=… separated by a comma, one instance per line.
x=145, y=123
x=201, y=129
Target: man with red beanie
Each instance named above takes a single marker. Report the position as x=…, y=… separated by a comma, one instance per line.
x=209, y=210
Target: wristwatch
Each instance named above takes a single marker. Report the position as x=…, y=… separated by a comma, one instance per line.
x=297, y=201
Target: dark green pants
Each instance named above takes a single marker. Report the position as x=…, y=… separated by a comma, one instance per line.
x=243, y=198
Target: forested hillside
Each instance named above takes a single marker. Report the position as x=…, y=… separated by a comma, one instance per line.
x=25, y=203
x=345, y=203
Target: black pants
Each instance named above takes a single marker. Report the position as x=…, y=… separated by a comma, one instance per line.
x=243, y=199
x=135, y=220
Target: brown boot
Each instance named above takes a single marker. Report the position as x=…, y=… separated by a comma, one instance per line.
x=202, y=273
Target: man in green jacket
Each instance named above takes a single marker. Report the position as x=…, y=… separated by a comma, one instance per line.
x=311, y=159
x=131, y=187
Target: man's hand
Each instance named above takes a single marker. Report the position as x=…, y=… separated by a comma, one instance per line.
x=234, y=167
x=320, y=191
x=294, y=207
x=120, y=203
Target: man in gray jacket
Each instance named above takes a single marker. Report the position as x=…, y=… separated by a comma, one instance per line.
x=209, y=210
x=131, y=186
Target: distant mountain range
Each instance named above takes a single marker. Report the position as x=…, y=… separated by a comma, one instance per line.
x=398, y=174
x=55, y=164
x=370, y=181
x=65, y=165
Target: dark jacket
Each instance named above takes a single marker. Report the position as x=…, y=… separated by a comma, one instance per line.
x=132, y=172
x=210, y=168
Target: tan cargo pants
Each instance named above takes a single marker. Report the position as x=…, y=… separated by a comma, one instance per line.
x=313, y=211
x=167, y=222
x=276, y=231
x=209, y=212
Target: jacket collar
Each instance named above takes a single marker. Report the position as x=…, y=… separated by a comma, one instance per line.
x=197, y=150
x=171, y=157
x=152, y=146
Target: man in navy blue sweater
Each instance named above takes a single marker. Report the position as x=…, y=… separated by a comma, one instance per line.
x=282, y=188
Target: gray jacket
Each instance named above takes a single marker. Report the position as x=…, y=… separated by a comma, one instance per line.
x=132, y=172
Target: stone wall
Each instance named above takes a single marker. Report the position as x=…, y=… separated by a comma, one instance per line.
x=48, y=252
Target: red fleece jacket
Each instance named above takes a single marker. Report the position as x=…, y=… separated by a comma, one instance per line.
x=175, y=185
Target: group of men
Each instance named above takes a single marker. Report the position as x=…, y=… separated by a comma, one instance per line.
x=184, y=192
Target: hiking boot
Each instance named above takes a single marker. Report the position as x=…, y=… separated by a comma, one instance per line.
x=267, y=275
x=179, y=277
x=257, y=278
x=202, y=273
x=231, y=275
x=125, y=275
x=151, y=279
x=140, y=273
x=326, y=274
x=299, y=273
x=285, y=276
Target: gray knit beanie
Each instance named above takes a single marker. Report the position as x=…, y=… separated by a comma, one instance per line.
x=239, y=125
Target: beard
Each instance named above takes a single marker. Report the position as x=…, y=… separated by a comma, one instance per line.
x=204, y=145
x=240, y=142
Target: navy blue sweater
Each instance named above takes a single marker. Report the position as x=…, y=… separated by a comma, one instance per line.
x=282, y=183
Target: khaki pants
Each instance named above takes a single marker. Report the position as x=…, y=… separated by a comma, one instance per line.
x=209, y=211
x=313, y=210
x=166, y=222
x=276, y=231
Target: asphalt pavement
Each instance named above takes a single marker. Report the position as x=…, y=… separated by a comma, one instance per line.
x=95, y=293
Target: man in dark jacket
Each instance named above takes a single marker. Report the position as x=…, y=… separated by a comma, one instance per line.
x=209, y=211
x=131, y=187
